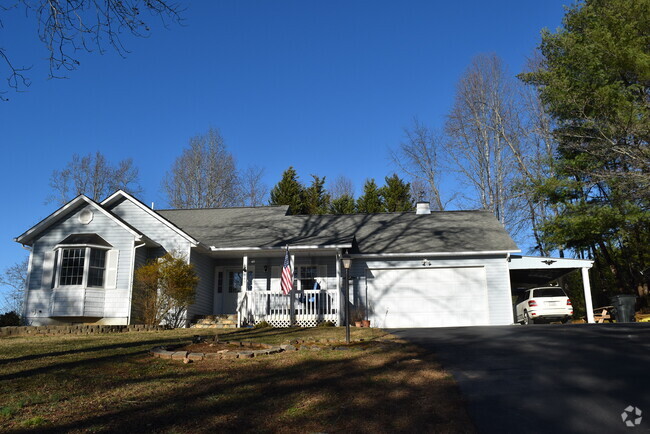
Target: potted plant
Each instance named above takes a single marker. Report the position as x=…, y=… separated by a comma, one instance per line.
x=357, y=317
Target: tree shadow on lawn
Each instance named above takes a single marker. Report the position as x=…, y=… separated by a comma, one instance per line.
x=152, y=342
x=259, y=333
x=139, y=347
x=359, y=391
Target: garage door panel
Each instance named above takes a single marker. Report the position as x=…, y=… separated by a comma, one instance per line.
x=434, y=297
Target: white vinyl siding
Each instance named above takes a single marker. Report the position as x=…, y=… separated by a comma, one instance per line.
x=153, y=228
x=496, y=302
x=49, y=265
x=204, y=299
x=275, y=277
x=114, y=299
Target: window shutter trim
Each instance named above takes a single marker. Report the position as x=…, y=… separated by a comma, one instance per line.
x=48, y=270
x=111, y=269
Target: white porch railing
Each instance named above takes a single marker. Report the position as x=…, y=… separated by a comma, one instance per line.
x=309, y=308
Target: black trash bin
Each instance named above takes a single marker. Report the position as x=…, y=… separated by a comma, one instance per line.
x=624, y=305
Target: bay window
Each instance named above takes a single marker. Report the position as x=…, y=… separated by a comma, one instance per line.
x=81, y=261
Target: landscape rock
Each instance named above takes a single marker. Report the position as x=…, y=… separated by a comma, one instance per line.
x=179, y=355
x=164, y=354
x=195, y=356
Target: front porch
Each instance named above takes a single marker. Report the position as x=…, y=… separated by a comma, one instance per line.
x=306, y=308
x=248, y=286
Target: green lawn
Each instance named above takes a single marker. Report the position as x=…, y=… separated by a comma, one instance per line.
x=101, y=383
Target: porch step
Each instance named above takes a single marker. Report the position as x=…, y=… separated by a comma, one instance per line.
x=215, y=321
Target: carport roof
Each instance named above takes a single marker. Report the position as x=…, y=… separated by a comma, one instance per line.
x=394, y=233
x=529, y=271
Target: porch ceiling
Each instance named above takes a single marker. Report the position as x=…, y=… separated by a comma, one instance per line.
x=532, y=278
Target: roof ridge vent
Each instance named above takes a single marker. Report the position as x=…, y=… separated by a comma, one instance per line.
x=422, y=207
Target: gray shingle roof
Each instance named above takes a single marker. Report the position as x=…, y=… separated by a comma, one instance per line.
x=444, y=231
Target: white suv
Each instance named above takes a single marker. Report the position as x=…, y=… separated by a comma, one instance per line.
x=547, y=303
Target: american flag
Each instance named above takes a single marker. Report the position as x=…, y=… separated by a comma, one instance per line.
x=287, y=275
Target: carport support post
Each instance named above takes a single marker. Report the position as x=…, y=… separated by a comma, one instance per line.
x=589, y=306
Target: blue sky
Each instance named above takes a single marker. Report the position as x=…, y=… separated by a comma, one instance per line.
x=324, y=86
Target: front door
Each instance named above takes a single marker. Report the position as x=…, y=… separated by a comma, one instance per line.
x=228, y=285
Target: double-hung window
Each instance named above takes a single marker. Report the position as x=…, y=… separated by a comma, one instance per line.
x=311, y=277
x=307, y=277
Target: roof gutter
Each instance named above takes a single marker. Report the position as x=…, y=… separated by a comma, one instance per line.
x=280, y=248
x=431, y=254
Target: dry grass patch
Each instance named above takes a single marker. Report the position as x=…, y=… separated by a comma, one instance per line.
x=109, y=383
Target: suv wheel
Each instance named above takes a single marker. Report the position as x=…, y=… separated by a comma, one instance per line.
x=528, y=319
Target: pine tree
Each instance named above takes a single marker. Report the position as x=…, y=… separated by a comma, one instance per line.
x=593, y=80
x=396, y=195
x=316, y=198
x=343, y=205
x=370, y=201
x=289, y=191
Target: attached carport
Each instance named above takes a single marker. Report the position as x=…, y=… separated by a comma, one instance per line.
x=531, y=271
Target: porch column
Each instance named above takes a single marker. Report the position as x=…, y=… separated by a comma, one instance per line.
x=243, y=293
x=244, y=277
x=338, y=286
x=589, y=307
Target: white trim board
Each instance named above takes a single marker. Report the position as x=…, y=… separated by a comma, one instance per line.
x=430, y=254
x=546, y=263
x=28, y=235
x=151, y=212
x=282, y=248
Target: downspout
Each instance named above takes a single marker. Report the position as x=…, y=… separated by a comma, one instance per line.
x=128, y=318
x=29, y=275
x=187, y=311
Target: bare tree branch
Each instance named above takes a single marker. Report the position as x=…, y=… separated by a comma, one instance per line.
x=341, y=186
x=93, y=176
x=66, y=27
x=254, y=191
x=13, y=280
x=417, y=157
x=483, y=129
x=204, y=176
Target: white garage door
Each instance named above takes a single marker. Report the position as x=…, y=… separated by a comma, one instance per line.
x=428, y=297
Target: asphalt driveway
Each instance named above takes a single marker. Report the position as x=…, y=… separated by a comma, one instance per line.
x=547, y=378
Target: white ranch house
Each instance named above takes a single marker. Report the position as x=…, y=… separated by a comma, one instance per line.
x=418, y=269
